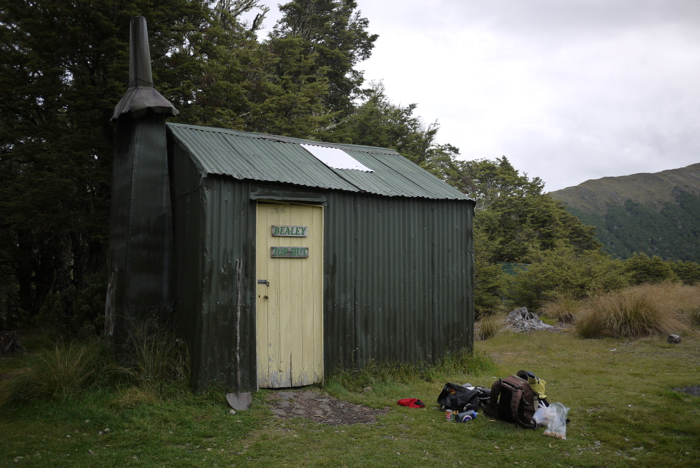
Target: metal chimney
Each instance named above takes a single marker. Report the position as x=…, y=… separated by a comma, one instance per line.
x=141, y=94
x=141, y=234
x=140, y=73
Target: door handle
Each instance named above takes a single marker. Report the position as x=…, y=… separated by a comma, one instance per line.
x=265, y=282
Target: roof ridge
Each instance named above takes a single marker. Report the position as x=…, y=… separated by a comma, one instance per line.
x=287, y=139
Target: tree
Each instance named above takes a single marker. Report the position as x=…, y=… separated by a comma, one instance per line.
x=564, y=269
x=377, y=121
x=336, y=33
x=236, y=82
x=515, y=223
x=63, y=68
x=514, y=213
x=487, y=181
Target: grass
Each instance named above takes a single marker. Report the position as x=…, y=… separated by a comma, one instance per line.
x=157, y=355
x=489, y=326
x=624, y=412
x=639, y=311
x=59, y=371
x=562, y=307
x=380, y=376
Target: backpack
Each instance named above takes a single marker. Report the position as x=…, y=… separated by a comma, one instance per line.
x=457, y=397
x=512, y=400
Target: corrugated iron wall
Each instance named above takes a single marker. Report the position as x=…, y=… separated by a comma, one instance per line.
x=399, y=279
x=229, y=234
x=398, y=275
x=188, y=214
x=214, y=225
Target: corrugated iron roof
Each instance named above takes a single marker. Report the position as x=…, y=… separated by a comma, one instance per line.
x=256, y=156
x=334, y=157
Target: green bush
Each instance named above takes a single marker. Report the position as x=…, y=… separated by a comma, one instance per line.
x=560, y=270
x=687, y=272
x=487, y=288
x=157, y=359
x=641, y=268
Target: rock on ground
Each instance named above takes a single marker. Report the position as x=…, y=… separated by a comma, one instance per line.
x=522, y=320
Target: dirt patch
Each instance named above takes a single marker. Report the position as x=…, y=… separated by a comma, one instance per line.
x=692, y=390
x=321, y=408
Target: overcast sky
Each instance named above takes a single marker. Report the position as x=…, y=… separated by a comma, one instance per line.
x=568, y=90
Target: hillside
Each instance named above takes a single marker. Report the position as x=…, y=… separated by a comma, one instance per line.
x=658, y=214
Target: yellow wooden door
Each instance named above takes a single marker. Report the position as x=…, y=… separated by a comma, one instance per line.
x=289, y=303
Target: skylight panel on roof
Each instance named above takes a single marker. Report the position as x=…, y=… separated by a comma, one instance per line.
x=335, y=158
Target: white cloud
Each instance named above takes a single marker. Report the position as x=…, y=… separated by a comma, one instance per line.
x=567, y=90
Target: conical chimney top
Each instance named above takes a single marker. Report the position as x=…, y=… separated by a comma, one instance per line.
x=141, y=94
x=140, y=73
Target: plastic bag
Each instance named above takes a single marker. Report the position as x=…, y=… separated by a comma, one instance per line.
x=540, y=416
x=556, y=416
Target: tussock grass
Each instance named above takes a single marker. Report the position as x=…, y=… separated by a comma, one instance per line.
x=157, y=356
x=157, y=361
x=489, y=326
x=635, y=312
x=63, y=370
x=683, y=299
x=563, y=306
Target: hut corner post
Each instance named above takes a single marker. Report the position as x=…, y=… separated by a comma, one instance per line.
x=141, y=233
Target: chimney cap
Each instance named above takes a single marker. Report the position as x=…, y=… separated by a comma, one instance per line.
x=141, y=94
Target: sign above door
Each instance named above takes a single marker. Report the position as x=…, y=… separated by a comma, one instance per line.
x=290, y=231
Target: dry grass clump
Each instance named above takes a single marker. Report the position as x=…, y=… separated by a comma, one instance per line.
x=488, y=326
x=635, y=312
x=684, y=299
x=562, y=307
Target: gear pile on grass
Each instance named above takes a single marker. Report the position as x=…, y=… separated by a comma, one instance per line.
x=322, y=409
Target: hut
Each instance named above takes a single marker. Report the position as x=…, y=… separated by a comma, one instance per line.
x=302, y=257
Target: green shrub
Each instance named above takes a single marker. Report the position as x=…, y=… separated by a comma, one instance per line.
x=641, y=269
x=686, y=271
x=487, y=288
x=64, y=369
x=563, y=269
x=632, y=313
